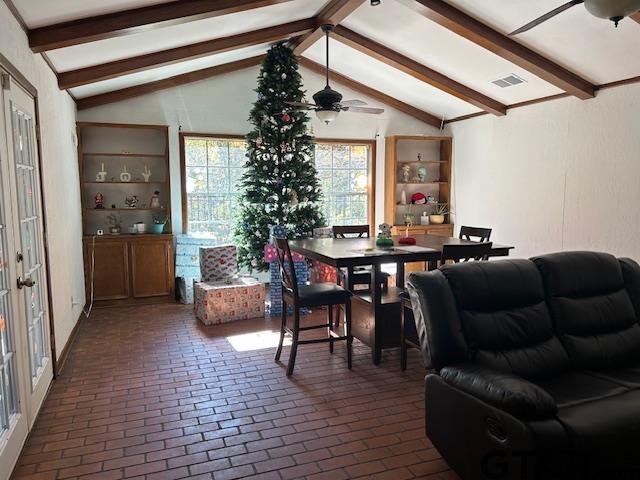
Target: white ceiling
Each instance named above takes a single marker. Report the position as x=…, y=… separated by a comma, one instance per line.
x=590, y=47
x=102, y=51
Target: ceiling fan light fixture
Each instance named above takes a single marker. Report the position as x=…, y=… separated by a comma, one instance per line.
x=612, y=10
x=375, y=3
x=327, y=116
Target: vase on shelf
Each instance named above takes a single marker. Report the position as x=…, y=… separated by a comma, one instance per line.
x=436, y=219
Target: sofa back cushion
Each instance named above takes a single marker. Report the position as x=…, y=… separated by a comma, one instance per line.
x=592, y=310
x=504, y=317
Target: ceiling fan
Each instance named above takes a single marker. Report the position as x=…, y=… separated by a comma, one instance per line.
x=614, y=10
x=328, y=103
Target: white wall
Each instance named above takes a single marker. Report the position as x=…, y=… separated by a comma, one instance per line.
x=60, y=177
x=559, y=175
x=222, y=104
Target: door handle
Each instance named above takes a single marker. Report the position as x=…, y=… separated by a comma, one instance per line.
x=27, y=282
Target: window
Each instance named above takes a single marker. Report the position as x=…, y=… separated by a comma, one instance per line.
x=211, y=174
x=212, y=169
x=346, y=176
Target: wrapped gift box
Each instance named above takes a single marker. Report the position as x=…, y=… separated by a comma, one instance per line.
x=218, y=263
x=279, y=231
x=323, y=273
x=188, y=264
x=275, y=286
x=221, y=302
x=271, y=255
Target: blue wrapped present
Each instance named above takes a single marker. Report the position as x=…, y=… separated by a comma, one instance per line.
x=188, y=263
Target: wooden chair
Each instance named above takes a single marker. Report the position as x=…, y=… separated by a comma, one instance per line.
x=314, y=295
x=475, y=234
x=360, y=275
x=465, y=252
x=457, y=253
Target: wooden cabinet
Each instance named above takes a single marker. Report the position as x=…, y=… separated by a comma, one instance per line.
x=129, y=268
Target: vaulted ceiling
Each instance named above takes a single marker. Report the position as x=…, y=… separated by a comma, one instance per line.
x=433, y=59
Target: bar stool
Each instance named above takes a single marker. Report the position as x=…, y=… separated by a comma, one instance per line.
x=457, y=253
x=359, y=275
x=314, y=295
x=473, y=233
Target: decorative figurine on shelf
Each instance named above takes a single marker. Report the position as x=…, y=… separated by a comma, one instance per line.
x=419, y=157
x=131, y=202
x=115, y=224
x=403, y=197
x=99, y=200
x=418, y=198
x=155, y=200
x=125, y=176
x=424, y=219
x=406, y=173
x=101, y=176
x=146, y=174
x=407, y=240
x=384, y=239
x=431, y=200
x=422, y=174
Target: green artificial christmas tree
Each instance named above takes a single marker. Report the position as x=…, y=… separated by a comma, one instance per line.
x=279, y=184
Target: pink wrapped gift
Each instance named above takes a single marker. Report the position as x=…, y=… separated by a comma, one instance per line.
x=323, y=273
x=218, y=263
x=222, y=302
x=271, y=254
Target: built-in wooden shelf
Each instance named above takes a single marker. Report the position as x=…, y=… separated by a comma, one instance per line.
x=141, y=155
x=423, y=161
x=125, y=209
x=125, y=183
x=423, y=183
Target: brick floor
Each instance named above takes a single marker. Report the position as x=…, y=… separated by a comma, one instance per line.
x=149, y=393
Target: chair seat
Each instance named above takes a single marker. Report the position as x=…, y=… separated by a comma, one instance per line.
x=317, y=294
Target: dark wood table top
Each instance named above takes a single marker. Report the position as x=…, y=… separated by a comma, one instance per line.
x=346, y=252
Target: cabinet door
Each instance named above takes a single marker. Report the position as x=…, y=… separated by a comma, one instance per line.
x=111, y=269
x=151, y=268
x=445, y=230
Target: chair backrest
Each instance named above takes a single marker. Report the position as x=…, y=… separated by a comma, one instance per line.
x=464, y=252
x=286, y=266
x=353, y=231
x=475, y=234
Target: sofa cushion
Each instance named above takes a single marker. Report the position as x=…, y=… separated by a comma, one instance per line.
x=593, y=313
x=504, y=318
x=573, y=388
x=610, y=423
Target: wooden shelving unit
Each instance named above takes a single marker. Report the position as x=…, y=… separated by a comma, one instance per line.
x=125, y=268
x=436, y=158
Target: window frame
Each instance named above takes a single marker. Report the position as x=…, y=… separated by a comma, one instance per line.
x=371, y=169
x=183, y=169
x=371, y=173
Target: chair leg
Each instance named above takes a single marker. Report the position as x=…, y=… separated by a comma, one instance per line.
x=347, y=322
x=336, y=324
x=294, y=341
x=403, y=343
x=283, y=320
x=330, y=318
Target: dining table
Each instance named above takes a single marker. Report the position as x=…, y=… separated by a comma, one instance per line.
x=376, y=312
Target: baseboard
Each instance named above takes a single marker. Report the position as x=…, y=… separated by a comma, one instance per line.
x=62, y=359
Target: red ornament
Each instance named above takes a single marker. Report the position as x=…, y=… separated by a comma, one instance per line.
x=286, y=117
x=418, y=198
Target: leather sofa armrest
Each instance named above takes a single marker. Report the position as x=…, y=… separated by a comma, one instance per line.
x=505, y=391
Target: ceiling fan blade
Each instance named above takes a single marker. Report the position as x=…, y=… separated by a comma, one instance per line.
x=546, y=16
x=301, y=104
x=352, y=103
x=375, y=111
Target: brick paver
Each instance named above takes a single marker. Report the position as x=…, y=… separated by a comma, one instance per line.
x=149, y=393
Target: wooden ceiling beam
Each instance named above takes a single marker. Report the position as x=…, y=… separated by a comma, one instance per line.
x=636, y=17
x=333, y=13
x=417, y=70
x=105, y=71
x=183, y=79
x=477, y=32
x=117, y=24
x=421, y=115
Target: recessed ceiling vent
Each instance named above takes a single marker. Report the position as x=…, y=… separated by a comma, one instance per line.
x=509, y=81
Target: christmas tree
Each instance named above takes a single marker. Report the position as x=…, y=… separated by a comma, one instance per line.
x=279, y=184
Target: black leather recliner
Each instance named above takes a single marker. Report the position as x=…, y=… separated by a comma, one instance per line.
x=537, y=366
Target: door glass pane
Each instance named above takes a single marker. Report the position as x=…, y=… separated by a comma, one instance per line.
x=30, y=237
x=8, y=393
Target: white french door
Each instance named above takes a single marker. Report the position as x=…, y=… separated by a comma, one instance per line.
x=25, y=361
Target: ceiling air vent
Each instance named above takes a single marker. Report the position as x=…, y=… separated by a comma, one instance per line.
x=508, y=81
